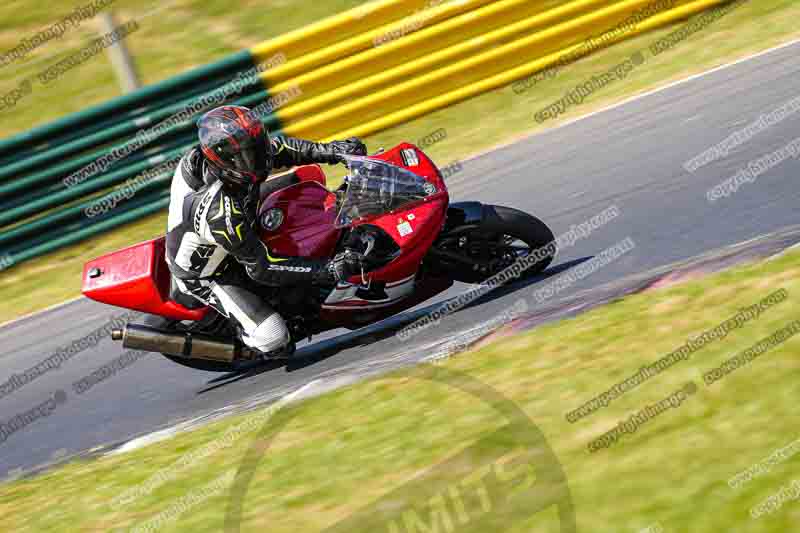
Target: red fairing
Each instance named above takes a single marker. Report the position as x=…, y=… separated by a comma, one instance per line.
x=307, y=229
x=310, y=173
x=414, y=227
x=425, y=168
x=420, y=219
x=136, y=278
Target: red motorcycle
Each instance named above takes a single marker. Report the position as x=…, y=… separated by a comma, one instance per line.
x=394, y=207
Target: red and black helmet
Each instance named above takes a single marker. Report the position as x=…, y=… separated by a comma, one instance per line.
x=235, y=141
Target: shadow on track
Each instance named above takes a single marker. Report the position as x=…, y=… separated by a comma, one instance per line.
x=312, y=354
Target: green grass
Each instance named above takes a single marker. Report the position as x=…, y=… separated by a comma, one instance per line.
x=345, y=449
x=191, y=33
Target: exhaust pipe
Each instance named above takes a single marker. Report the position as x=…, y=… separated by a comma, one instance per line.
x=186, y=345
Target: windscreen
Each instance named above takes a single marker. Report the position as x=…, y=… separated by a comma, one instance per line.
x=376, y=187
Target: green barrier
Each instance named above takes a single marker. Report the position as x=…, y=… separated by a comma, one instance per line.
x=31, y=190
x=38, y=201
x=101, y=125
x=116, y=132
x=42, y=185
x=27, y=228
x=141, y=97
x=182, y=134
x=145, y=206
x=25, y=188
x=99, y=183
x=44, y=225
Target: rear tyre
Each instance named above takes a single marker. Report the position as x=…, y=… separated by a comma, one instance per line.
x=505, y=236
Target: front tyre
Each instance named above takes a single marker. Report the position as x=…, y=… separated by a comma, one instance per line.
x=504, y=236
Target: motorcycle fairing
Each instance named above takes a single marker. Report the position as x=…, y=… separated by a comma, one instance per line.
x=138, y=278
x=307, y=229
x=348, y=296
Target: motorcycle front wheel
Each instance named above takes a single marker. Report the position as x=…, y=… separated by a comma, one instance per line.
x=504, y=236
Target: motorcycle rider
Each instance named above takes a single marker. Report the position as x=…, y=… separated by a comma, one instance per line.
x=212, y=224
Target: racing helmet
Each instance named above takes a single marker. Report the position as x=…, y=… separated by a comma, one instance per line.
x=237, y=144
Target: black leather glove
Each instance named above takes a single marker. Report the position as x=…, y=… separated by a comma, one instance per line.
x=341, y=267
x=291, y=151
x=351, y=146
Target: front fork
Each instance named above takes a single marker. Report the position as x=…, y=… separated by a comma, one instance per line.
x=463, y=218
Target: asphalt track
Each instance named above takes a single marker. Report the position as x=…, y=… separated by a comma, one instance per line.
x=630, y=156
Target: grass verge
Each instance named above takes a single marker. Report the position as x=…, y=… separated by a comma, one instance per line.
x=344, y=449
x=504, y=115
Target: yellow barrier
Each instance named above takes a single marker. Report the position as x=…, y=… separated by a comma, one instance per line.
x=329, y=31
x=507, y=77
x=390, y=61
x=423, y=51
x=421, y=84
x=363, y=41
